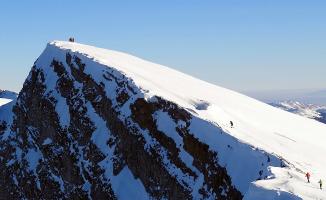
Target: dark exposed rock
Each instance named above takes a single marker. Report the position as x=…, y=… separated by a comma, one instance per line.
x=122, y=97
x=142, y=114
x=3, y=126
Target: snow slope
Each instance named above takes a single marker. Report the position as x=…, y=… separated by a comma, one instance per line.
x=4, y=101
x=7, y=99
x=8, y=94
x=297, y=140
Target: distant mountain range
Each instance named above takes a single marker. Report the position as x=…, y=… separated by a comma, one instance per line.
x=5, y=94
x=311, y=111
x=306, y=96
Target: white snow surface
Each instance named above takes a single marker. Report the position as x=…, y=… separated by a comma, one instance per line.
x=4, y=101
x=6, y=94
x=7, y=100
x=5, y=109
x=299, y=141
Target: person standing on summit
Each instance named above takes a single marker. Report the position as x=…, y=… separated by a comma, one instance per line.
x=71, y=39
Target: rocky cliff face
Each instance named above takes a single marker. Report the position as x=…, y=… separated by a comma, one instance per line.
x=80, y=132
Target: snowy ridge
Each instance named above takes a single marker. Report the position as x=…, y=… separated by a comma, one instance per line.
x=102, y=135
x=297, y=140
x=8, y=94
x=4, y=101
x=92, y=123
x=7, y=99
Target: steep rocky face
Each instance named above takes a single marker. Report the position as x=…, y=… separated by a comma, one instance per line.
x=77, y=136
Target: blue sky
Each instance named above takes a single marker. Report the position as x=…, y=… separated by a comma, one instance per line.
x=241, y=45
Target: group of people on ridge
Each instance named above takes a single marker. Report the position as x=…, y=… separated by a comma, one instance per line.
x=71, y=39
x=320, y=181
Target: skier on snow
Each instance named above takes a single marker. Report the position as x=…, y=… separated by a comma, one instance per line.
x=308, y=177
x=320, y=184
x=231, y=123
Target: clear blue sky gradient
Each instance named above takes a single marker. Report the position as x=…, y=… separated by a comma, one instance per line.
x=242, y=45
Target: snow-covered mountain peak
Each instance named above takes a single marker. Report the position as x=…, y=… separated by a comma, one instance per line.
x=7, y=96
x=4, y=101
x=297, y=140
x=96, y=123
